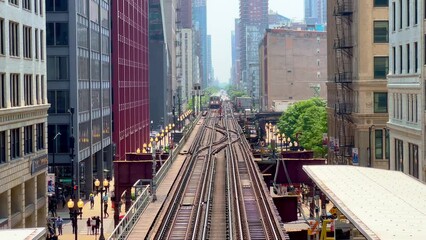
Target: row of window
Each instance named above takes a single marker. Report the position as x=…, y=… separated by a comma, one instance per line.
x=407, y=7
x=381, y=143
x=398, y=58
x=29, y=5
x=413, y=158
x=13, y=86
x=411, y=101
x=32, y=40
x=16, y=140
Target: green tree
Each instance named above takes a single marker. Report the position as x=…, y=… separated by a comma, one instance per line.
x=307, y=121
x=233, y=92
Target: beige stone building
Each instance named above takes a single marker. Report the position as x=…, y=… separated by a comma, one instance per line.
x=292, y=66
x=23, y=115
x=357, y=92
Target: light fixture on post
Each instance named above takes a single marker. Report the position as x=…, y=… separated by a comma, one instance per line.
x=101, y=189
x=74, y=214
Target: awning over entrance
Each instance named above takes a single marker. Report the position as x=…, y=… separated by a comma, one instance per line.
x=382, y=204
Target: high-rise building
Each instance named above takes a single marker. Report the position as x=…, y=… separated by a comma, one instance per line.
x=316, y=12
x=210, y=74
x=236, y=61
x=185, y=13
x=293, y=67
x=357, y=88
x=23, y=115
x=130, y=79
x=406, y=84
x=187, y=62
x=78, y=37
x=276, y=20
x=253, y=23
x=199, y=19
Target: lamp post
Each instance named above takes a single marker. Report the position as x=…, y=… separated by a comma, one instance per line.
x=55, y=149
x=101, y=189
x=154, y=169
x=74, y=213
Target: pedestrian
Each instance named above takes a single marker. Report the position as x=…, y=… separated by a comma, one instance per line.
x=88, y=226
x=50, y=230
x=62, y=198
x=93, y=225
x=92, y=200
x=59, y=222
x=73, y=224
x=106, y=210
x=105, y=198
x=98, y=223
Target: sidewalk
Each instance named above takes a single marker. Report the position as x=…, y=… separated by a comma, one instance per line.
x=87, y=213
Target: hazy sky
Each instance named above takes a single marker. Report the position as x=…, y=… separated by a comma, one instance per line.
x=221, y=15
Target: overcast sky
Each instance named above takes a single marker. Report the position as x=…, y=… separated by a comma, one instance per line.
x=221, y=15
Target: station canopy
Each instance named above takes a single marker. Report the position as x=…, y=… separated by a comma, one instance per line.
x=382, y=204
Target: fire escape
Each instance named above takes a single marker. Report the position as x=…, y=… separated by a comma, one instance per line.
x=343, y=107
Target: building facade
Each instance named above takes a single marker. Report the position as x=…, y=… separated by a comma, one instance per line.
x=357, y=87
x=23, y=115
x=185, y=39
x=406, y=84
x=78, y=36
x=292, y=66
x=130, y=79
x=199, y=21
x=316, y=12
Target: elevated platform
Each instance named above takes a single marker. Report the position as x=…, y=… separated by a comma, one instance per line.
x=382, y=204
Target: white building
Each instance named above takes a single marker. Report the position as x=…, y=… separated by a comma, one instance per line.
x=406, y=84
x=186, y=62
x=23, y=114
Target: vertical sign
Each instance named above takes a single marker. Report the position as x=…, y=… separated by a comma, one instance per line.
x=50, y=180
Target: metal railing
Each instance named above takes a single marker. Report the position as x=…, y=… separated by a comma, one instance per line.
x=126, y=225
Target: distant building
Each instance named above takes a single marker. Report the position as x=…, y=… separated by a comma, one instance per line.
x=23, y=115
x=357, y=94
x=276, y=20
x=406, y=85
x=199, y=19
x=293, y=66
x=185, y=39
x=130, y=77
x=315, y=12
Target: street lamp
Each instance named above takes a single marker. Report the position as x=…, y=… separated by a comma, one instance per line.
x=154, y=169
x=101, y=189
x=74, y=213
x=55, y=150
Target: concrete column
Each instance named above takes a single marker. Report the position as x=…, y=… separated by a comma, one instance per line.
x=88, y=176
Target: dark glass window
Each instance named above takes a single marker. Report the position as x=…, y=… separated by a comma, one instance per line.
x=56, y=5
x=15, y=141
x=381, y=3
x=57, y=33
x=381, y=31
x=399, y=155
x=380, y=102
x=2, y=147
x=40, y=136
x=59, y=101
x=378, y=140
x=28, y=139
x=381, y=67
x=58, y=68
x=413, y=159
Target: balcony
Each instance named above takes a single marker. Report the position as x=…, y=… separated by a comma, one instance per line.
x=343, y=8
x=341, y=43
x=343, y=108
x=343, y=77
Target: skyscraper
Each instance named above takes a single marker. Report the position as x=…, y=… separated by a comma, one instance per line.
x=79, y=89
x=23, y=115
x=130, y=76
x=199, y=19
x=315, y=12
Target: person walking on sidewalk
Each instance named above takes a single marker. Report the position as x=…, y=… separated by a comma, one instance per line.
x=59, y=222
x=98, y=224
x=106, y=209
x=89, y=226
x=92, y=200
x=93, y=224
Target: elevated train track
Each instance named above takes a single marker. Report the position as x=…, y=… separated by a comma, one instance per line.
x=219, y=193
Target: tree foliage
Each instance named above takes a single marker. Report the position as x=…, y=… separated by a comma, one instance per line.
x=233, y=92
x=306, y=120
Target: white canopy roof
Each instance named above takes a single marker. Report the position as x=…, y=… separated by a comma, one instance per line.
x=382, y=204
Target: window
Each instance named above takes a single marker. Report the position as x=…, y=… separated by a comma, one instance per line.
x=56, y=33
x=42, y=89
x=413, y=160
x=28, y=139
x=2, y=147
x=13, y=39
x=40, y=136
x=378, y=141
x=380, y=102
x=26, y=35
x=416, y=58
x=36, y=44
x=394, y=16
x=400, y=14
x=41, y=44
x=381, y=3
x=14, y=90
x=381, y=67
x=58, y=68
x=408, y=12
x=59, y=101
x=399, y=155
x=61, y=143
x=408, y=59
x=14, y=2
x=387, y=144
x=37, y=90
x=400, y=59
x=393, y=60
x=15, y=143
x=28, y=89
x=56, y=5
x=2, y=40
x=36, y=6
x=2, y=90
x=41, y=7
x=26, y=4
x=416, y=13
x=381, y=31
